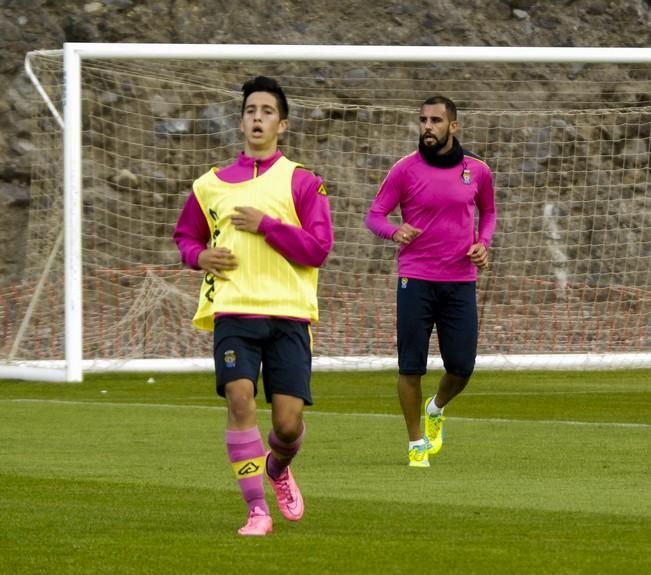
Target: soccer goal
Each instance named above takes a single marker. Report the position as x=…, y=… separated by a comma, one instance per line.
x=121, y=130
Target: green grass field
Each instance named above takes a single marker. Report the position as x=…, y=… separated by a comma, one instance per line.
x=540, y=473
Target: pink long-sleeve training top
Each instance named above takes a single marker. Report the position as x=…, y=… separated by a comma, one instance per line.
x=308, y=245
x=442, y=202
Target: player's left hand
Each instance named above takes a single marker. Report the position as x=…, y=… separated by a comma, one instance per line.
x=478, y=255
x=247, y=219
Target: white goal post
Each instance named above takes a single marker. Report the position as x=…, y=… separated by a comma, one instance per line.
x=565, y=130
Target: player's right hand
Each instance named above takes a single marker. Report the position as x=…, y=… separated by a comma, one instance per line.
x=216, y=261
x=405, y=234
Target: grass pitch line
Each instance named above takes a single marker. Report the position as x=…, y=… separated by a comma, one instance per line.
x=560, y=392
x=615, y=424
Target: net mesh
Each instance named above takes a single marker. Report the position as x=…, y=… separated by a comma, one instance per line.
x=569, y=147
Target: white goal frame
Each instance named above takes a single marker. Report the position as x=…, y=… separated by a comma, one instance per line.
x=73, y=367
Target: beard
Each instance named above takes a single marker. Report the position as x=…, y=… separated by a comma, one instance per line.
x=429, y=152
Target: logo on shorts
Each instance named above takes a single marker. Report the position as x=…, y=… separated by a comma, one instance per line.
x=403, y=282
x=230, y=358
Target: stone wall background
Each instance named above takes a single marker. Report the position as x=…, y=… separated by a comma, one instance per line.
x=46, y=24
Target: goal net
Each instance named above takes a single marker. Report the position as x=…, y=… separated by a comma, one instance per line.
x=568, y=142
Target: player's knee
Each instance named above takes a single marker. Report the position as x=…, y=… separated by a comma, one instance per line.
x=461, y=368
x=288, y=431
x=241, y=412
x=241, y=403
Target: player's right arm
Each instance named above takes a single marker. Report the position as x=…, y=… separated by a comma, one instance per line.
x=386, y=200
x=192, y=237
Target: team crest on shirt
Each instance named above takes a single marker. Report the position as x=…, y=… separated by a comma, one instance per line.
x=230, y=358
x=465, y=175
x=403, y=282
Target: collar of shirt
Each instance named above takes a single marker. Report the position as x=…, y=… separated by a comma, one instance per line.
x=261, y=164
x=246, y=167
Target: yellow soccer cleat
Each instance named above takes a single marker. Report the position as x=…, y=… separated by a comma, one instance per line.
x=418, y=456
x=434, y=431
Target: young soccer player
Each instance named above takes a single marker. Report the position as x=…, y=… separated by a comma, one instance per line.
x=438, y=188
x=260, y=228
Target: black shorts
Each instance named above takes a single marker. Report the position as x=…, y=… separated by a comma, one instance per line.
x=452, y=307
x=282, y=347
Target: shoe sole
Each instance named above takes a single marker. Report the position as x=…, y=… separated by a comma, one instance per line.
x=253, y=534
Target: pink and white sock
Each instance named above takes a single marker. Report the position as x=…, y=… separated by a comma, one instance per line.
x=247, y=455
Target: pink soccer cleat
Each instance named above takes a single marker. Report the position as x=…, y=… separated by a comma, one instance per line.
x=259, y=523
x=288, y=495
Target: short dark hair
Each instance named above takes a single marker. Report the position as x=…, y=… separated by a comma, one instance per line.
x=450, y=106
x=265, y=84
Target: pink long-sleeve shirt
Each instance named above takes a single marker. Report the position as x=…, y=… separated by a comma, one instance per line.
x=307, y=245
x=441, y=202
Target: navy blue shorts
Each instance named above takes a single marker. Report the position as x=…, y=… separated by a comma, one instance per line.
x=452, y=308
x=282, y=347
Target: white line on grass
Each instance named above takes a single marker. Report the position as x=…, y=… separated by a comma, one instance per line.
x=559, y=392
x=617, y=424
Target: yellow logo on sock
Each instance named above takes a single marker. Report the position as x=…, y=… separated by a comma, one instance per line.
x=249, y=467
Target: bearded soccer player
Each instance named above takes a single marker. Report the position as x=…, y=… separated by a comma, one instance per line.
x=260, y=228
x=438, y=189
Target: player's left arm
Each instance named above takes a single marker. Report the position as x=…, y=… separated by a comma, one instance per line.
x=308, y=244
x=485, y=202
